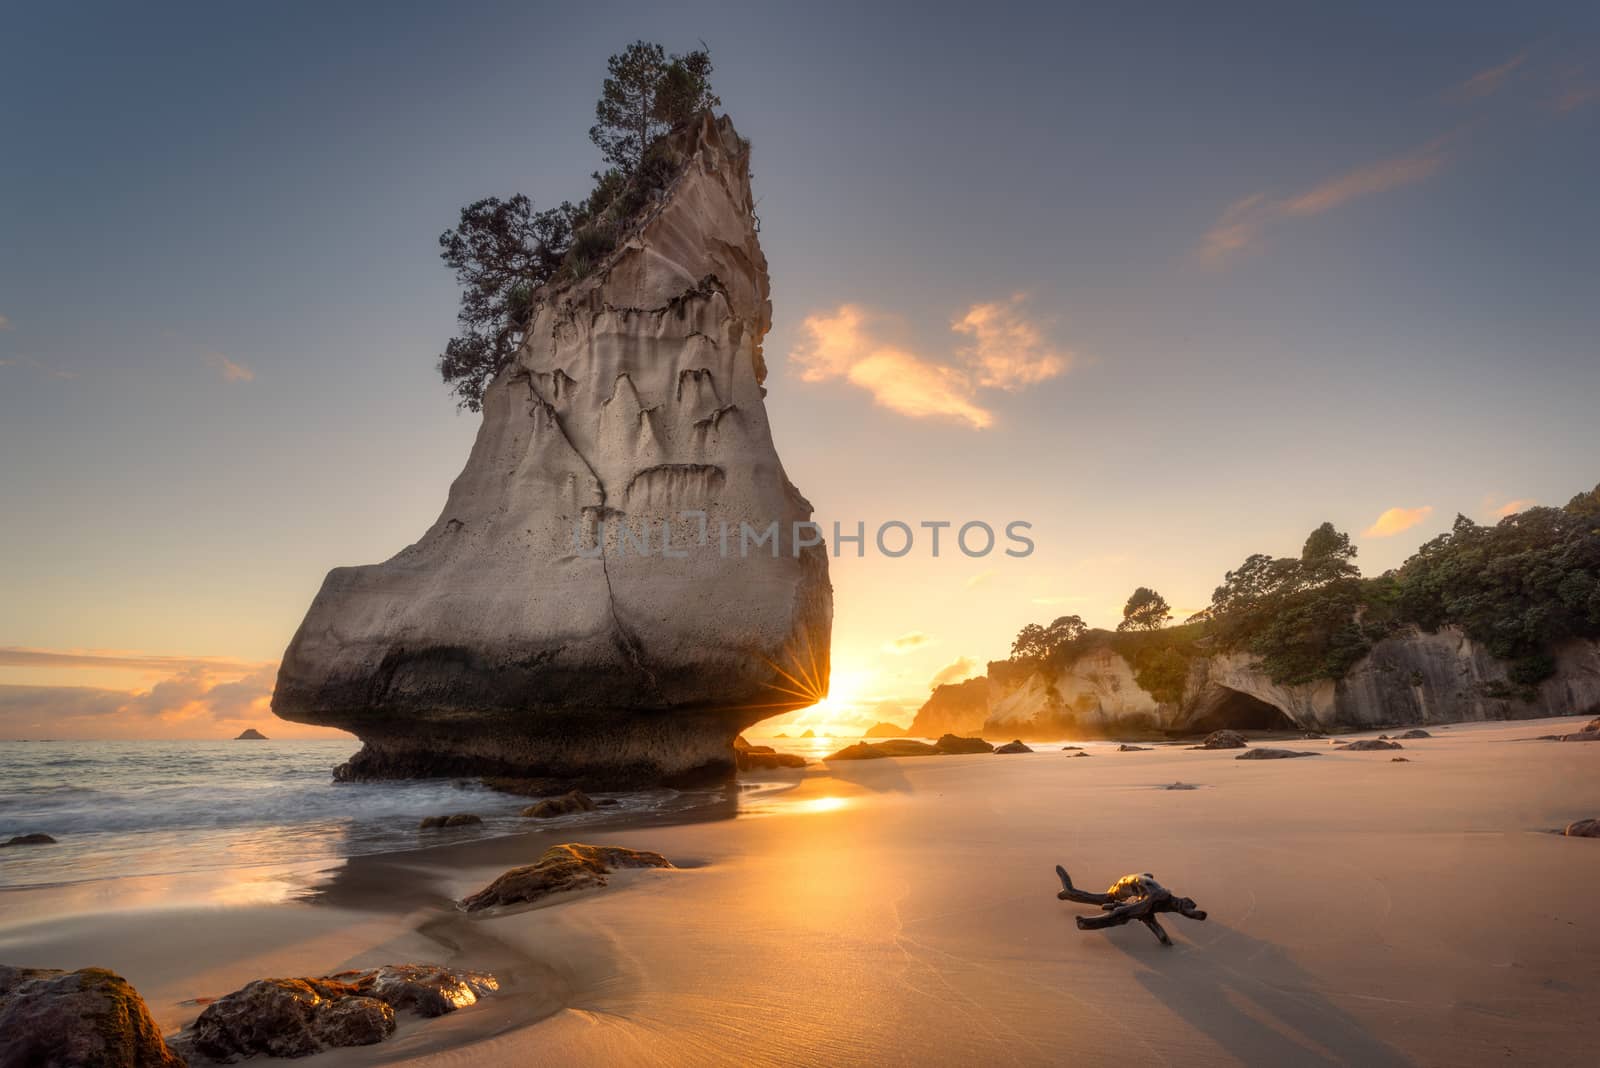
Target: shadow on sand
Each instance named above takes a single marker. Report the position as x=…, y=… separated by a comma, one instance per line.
x=417, y=878
x=1254, y=1002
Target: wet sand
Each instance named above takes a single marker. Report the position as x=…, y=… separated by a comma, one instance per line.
x=904, y=911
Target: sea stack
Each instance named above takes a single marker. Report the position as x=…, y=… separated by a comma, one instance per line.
x=502, y=642
x=250, y=734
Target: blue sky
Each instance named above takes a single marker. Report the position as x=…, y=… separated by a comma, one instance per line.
x=1290, y=266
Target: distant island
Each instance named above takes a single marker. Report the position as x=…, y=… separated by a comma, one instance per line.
x=250, y=734
x=886, y=730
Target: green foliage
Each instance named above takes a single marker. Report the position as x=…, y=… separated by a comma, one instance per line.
x=646, y=94
x=1146, y=610
x=1518, y=587
x=1303, y=617
x=1162, y=671
x=503, y=252
x=1047, y=643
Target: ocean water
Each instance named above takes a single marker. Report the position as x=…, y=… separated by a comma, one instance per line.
x=157, y=808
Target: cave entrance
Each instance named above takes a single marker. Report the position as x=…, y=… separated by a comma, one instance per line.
x=1232, y=710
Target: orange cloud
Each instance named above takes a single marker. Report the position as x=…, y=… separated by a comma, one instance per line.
x=957, y=670
x=840, y=346
x=1574, y=90
x=1490, y=80
x=1395, y=520
x=1007, y=351
x=186, y=697
x=1512, y=507
x=906, y=643
x=230, y=371
x=1242, y=223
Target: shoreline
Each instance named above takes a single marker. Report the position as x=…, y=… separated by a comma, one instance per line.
x=895, y=910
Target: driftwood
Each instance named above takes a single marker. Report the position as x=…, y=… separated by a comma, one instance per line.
x=1132, y=897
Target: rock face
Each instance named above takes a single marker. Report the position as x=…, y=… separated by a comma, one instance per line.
x=572, y=866
x=497, y=644
x=958, y=708
x=1413, y=677
x=90, y=1018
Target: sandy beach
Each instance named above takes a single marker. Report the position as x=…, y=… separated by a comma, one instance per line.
x=1361, y=911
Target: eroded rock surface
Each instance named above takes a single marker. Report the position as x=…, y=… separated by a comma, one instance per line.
x=496, y=645
x=570, y=866
x=90, y=1018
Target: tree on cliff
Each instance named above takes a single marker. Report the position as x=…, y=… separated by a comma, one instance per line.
x=645, y=96
x=1146, y=610
x=502, y=251
x=1042, y=643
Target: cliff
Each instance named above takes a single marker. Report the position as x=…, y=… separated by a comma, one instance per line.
x=497, y=643
x=1414, y=677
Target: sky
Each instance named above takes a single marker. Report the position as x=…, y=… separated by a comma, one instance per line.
x=1173, y=286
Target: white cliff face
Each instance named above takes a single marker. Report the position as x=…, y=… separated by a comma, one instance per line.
x=1412, y=678
x=504, y=641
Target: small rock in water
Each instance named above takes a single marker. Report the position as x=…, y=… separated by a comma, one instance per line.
x=570, y=866
x=1369, y=744
x=250, y=734
x=1080, y=753
x=1399, y=760
x=1583, y=829
x=1182, y=785
x=1126, y=748
x=460, y=819
x=1068, y=748
x=1273, y=754
x=1014, y=746
x=50, y=1018
x=1415, y=732
x=565, y=805
x=29, y=839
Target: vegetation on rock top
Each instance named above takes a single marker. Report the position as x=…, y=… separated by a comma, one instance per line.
x=503, y=251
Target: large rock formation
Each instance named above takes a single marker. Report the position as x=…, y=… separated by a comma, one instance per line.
x=1409, y=678
x=497, y=644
